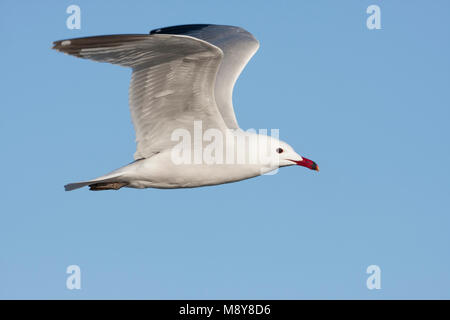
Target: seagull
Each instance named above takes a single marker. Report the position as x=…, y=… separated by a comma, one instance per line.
x=182, y=84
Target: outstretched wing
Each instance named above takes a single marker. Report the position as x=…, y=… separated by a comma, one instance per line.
x=172, y=83
x=238, y=46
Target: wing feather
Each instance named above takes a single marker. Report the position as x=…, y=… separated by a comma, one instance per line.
x=172, y=83
x=238, y=46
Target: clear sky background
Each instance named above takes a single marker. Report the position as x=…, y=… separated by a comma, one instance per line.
x=371, y=107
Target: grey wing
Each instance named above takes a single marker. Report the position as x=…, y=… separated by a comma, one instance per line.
x=238, y=46
x=172, y=83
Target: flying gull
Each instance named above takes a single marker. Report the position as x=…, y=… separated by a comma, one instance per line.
x=182, y=84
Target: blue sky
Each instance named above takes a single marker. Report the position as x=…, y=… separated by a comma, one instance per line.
x=371, y=107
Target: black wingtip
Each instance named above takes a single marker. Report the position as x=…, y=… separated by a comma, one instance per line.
x=181, y=29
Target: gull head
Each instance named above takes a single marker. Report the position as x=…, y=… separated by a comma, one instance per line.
x=280, y=154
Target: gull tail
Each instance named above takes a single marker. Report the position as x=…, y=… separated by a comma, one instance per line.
x=108, y=182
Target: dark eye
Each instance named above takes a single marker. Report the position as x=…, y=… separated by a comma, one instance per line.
x=279, y=150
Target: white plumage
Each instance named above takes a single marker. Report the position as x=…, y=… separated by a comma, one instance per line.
x=181, y=75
